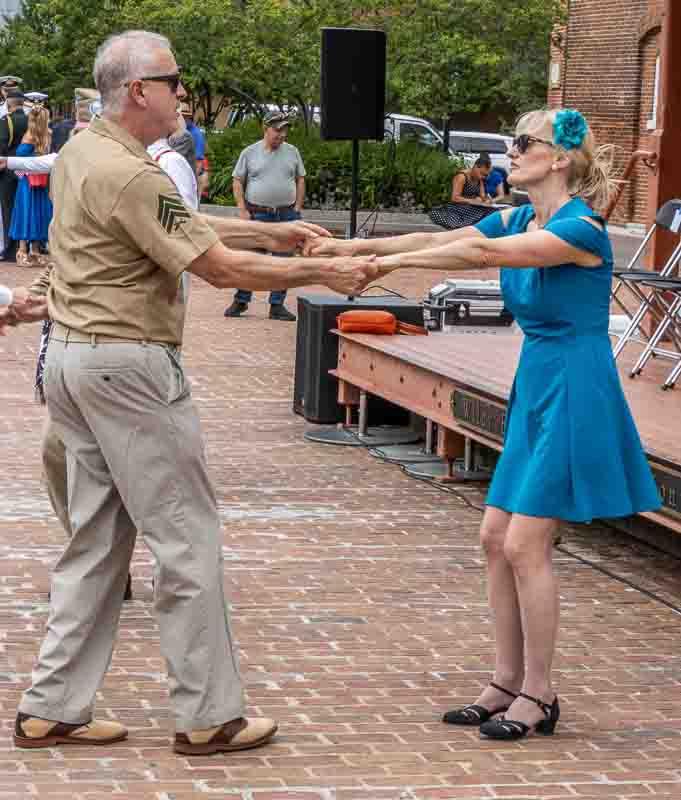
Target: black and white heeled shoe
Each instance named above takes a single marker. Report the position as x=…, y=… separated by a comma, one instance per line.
x=511, y=730
x=476, y=714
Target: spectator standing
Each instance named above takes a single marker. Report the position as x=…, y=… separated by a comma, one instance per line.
x=61, y=131
x=269, y=186
x=199, y=146
x=13, y=126
x=183, y=142
x=32, y=212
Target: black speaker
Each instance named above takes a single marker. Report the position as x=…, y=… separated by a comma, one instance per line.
x=353, y=83
x=315, y=392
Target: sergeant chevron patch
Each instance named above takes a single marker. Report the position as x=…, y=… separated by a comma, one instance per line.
x=171, y=213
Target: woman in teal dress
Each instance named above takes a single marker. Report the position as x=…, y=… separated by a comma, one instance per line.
x=571, y=448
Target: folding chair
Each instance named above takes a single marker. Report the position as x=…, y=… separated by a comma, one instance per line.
x=669, y=327
x=640, y=282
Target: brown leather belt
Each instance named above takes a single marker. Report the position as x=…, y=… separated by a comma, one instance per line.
x=62, y=333
x=268, y=209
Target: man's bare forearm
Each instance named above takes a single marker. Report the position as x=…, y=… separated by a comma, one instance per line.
x=300, y=194
x=259, y=272
x=240, y=234
x=238, y=192
x=229, y=269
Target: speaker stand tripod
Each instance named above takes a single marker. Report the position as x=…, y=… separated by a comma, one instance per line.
x=354, y=196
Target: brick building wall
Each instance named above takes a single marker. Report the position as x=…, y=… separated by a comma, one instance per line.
x=608, y=55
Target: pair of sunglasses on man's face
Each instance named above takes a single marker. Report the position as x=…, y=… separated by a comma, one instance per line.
x=173, y=80
x=522, y=143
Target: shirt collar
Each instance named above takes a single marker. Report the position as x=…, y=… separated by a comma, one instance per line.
x=109, y=129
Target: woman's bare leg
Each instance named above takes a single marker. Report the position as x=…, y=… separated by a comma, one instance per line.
x=503, y=600
x=528, y=548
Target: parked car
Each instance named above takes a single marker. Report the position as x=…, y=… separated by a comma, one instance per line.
x=469, y=145
x=401, y=127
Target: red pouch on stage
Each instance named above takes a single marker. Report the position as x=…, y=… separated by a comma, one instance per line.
x=37, y=180
x=364, y=320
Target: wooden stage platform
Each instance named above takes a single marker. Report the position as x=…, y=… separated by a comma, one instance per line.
x=462, y=382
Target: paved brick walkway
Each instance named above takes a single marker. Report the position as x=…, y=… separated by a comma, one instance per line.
x=359, y=607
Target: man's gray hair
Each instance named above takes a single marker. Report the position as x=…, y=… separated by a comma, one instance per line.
x=122, y=58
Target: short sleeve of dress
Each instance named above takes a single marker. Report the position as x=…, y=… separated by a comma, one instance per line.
x=492, y=226
x=152, y=215
x=579, y=233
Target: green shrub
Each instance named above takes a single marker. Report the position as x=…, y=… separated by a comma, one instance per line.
x=405, y=176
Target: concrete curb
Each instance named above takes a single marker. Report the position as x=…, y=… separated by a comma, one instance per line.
x=385, y=222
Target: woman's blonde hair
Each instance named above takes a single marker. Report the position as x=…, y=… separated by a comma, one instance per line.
x=38, y=130
x=590, y=170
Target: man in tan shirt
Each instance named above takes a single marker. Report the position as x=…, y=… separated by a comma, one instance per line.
x=119, y=400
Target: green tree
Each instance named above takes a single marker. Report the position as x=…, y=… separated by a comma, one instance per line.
x=448, y=56
x=444, y=56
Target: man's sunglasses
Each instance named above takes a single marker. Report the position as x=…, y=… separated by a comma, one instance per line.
x=174, y=80
x=522, y=143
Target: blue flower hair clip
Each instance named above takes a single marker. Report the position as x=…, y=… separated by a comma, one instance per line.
x=569, y=129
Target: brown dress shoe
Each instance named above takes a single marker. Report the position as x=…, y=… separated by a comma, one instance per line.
x=36, y=732
x=238, y=734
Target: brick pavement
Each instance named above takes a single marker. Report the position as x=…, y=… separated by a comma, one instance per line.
x=359, y=608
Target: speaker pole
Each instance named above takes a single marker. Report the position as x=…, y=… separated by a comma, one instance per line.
x=354, y=201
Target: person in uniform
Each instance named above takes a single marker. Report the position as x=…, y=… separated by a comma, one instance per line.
x=8, y=83
x=13, y=126
x=53, y=452
x=118, y=396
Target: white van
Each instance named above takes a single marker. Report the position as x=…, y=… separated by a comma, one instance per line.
x=462, y=144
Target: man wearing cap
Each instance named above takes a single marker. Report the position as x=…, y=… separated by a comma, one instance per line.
x=269, y=186
x=121, y=238
x=13, y=126
x=8, y=83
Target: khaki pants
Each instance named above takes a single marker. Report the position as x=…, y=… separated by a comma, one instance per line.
x=54, y=467
x=135, y=462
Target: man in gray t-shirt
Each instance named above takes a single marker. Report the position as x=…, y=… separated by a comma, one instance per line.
x=269, y=186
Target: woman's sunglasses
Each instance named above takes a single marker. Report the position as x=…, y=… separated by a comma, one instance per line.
x=522, y=143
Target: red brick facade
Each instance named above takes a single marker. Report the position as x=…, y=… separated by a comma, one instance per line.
x=605, y=59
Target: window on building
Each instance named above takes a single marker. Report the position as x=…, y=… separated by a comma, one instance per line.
x=554, y=73
x=652, y=122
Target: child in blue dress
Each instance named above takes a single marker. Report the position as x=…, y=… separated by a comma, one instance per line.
x=571, y=449
x=32, y=212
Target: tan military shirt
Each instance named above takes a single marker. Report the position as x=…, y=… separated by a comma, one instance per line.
x=120, y=239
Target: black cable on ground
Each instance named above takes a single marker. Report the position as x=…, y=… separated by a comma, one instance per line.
x=587, y=562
